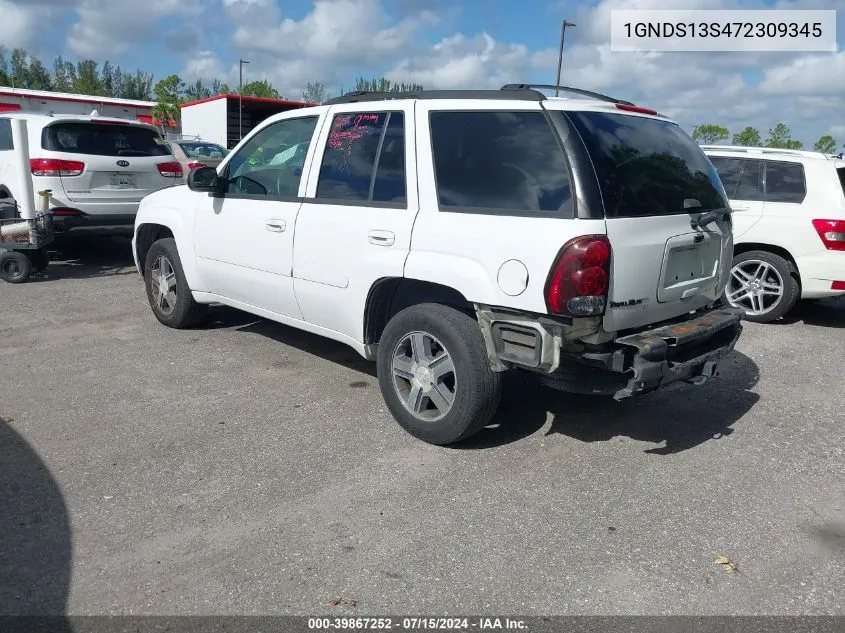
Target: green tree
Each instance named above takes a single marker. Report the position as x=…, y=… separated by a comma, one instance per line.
x=781, y=137
x=749, y=137
x=168, y=97
x=4, y=67
x=137, y=86
x=107, y=79
x=39, y=76
x=262, y=88
x=87, y=80
x=64, y=75
x=314, y=92
x=20, y=68
x=826, y=144
x=196, y=91
x=383, y=84
x=220, y=88
x=707, y=133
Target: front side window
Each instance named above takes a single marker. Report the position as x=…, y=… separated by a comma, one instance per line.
x=751, y=183
x=271, y=162
x=103, y=139
x=499, y=163
x=6, y=135
x=785, y=182
x=364, y=159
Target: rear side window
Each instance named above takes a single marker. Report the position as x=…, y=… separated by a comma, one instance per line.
x=103, y=139
x=841, y=172
x=730, y=172
x=503, y=163
x=751, y=183
x=364, y=159
x=202, y=150
x=6, y=135
x=785, y=182
x=648, y=167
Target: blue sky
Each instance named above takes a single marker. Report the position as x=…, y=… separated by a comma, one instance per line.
x=476, y=43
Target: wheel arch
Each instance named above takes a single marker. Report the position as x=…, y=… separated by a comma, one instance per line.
x=746, y=247
x=390, y=295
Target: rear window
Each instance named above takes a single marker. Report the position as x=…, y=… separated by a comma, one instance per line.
x=648, y=167
x=103, y=139
x=203, y=150
x=841, y=172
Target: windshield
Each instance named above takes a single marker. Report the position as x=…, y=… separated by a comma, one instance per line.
x=648, y=167
x=103, y=139
x=203, y=150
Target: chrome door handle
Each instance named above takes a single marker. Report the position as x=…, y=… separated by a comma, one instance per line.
x=381, y=238
x=277, y=226
x=740, y=207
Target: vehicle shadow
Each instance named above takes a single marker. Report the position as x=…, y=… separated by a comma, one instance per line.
x=35, y=536
x=679, y=417
x=223, y=317
x=823, y=313
x=87, y=257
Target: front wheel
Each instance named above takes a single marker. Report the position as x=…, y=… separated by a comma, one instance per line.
x=762, y=284
x=15, y=267
x=167, y=289
x=434, y=374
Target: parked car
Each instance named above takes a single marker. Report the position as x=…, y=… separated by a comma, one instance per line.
x=98, y=168
x=789, y=227
x=193, y=154
x=453, y=235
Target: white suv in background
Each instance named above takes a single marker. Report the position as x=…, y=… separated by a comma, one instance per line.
x=789, y=227
x=98, y=168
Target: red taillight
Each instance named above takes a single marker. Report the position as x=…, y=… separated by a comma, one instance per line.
x=196, y=165
x=633, y=108
x=55, y=167
x=65, y=212
x=832, y=233
x=170, y=170
x=578, y=283
x=838, y=285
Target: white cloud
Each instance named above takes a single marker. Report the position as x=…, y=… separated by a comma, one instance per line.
x=809, y=74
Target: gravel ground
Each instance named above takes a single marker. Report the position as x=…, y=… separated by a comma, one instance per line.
x=248, y=468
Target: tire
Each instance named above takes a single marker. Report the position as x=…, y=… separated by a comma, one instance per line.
x=441, y=335
x=39, y=259
x=770, y=285
x=177, y=308
x=15, y=267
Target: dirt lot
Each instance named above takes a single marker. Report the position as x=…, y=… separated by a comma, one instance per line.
x=249, y=468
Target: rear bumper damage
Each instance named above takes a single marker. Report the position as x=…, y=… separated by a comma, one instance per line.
x=688, y=351
x=630, y=365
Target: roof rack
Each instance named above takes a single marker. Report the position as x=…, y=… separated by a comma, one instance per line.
x=584, y=93
x=766, y=150
x=527, y=92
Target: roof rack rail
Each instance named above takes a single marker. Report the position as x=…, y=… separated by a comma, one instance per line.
x=362, y=95
x=782, y=151
x=579, y=91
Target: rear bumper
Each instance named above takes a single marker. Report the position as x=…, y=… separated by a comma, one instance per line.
x=107, y=224
x=688, y=351
x=818, y=272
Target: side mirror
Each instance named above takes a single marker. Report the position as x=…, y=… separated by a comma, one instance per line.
x=203, y=179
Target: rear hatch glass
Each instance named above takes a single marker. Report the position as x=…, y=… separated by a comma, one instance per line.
x=654, y=180
x=120, y=160
x=647, y=166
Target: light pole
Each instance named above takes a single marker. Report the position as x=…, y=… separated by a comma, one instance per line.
x=563, y=26
x=241, y=99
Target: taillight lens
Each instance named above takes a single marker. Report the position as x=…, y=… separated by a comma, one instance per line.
x=578, y=283
x=55, y=167
x=196, y=165
x=832, y=233
x=170, y=170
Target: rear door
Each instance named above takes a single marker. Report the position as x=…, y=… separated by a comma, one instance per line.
x=743, y=181
x=654, y=180
x=121, y=160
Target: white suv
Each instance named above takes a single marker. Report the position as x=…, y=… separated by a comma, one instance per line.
x=453, y=235
x=99, y=169
x=789, y=227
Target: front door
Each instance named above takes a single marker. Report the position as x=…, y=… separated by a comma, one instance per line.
x=244, y=234
x=355, y=224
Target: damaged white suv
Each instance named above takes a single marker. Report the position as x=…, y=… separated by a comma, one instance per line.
x=453, y=235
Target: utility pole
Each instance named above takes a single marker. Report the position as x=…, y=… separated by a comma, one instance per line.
x=241, y=99
x=563, y=26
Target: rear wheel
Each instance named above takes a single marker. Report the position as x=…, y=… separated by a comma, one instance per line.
x=167, y=289
x=763, y=284
x=434, y=374
x=15, y=267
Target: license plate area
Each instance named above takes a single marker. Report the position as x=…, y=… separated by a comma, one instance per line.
x=123, y=181
x=690, y=266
